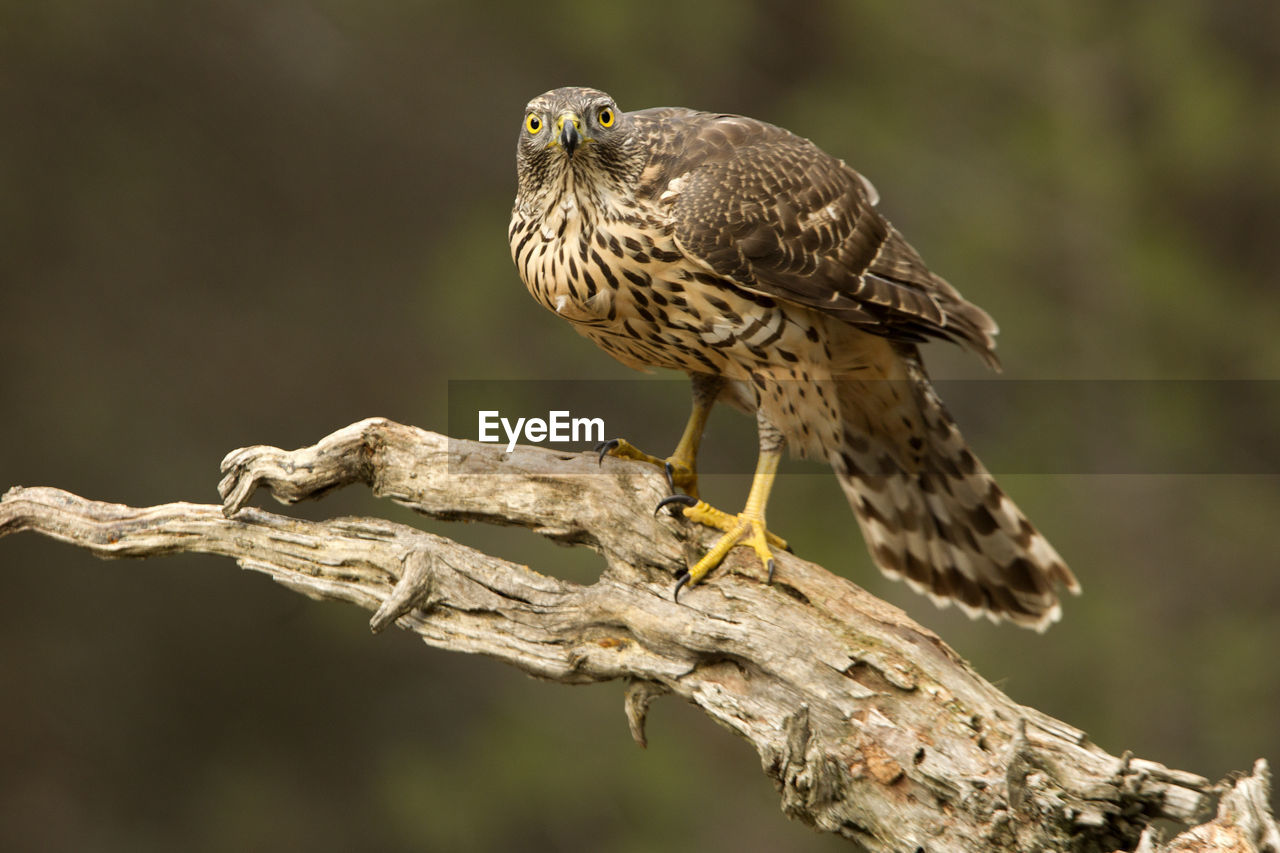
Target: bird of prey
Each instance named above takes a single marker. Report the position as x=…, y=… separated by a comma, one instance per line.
x=747, y=257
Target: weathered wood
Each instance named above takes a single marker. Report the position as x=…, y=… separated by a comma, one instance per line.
x=870, y=725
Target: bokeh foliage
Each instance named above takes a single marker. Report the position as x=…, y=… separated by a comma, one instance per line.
x=228, y=222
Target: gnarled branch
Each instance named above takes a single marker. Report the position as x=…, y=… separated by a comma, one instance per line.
x=869, y=724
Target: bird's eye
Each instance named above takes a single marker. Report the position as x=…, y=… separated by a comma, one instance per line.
x=532, y=123
x=605, y=117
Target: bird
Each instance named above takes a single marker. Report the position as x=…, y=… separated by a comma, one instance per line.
x=750, y=259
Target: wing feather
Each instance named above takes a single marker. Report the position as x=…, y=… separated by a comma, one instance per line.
x=776, y=215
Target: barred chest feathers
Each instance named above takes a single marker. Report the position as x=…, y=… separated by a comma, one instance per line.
x=553, y=256
x=611, y=267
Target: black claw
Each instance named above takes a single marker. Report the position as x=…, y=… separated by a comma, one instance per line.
x=603, y=449
x=686, y=500
x=681, y=580
x=670, y=471
x=769, y=566
x=788, y=550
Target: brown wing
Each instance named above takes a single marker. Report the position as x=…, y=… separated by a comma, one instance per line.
x=776, y=215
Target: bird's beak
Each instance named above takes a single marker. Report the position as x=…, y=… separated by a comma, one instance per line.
x=569, y=131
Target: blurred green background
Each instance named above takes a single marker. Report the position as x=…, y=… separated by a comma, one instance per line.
x=242, y=222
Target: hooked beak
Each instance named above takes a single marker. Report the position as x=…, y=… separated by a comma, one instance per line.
x=569, y=134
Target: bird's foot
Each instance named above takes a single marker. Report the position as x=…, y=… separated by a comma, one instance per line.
x=742, y=529
x=680, y=474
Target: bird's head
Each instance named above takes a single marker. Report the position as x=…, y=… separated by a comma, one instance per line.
x=573, y=135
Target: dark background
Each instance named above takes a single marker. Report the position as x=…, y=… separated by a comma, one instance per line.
x=231, y=223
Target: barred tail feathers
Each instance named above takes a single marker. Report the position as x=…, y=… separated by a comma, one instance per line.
x=932, y=514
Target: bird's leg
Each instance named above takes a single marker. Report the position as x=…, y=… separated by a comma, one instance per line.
x=681, y=466
x=748, y=526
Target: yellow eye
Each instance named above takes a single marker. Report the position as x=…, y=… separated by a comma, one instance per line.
x=605, y=117
x=532, y=123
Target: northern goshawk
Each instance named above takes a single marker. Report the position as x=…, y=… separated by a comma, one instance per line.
x=756, y=263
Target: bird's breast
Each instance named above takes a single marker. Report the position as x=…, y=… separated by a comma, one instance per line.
x=626, y=286
x=554, y=261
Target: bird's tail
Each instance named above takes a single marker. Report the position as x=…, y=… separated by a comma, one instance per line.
x=932, y=514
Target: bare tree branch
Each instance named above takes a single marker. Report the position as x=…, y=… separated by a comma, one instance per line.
x=869, y=724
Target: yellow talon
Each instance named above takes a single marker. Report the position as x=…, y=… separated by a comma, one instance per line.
x=742, y=529
x=679, y=470
x=746, y=528
x=704, y=513
x=681, y=466
x=620, y=448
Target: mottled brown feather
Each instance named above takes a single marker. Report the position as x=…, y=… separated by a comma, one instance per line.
x=776, y=214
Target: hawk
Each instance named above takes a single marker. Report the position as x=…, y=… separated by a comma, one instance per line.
x=747, y=257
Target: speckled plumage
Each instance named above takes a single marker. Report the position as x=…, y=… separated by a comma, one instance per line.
x=723, y=246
